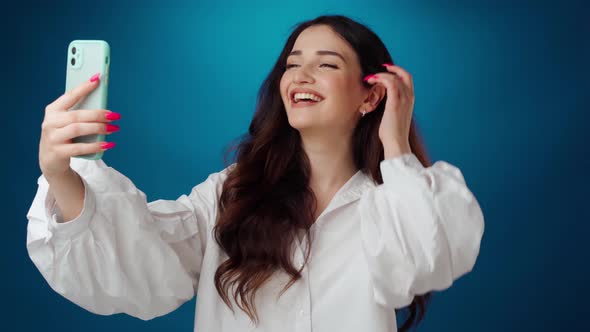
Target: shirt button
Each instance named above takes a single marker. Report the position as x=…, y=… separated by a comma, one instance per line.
x=301, y=312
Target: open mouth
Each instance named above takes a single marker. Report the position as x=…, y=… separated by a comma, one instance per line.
x=305, y=99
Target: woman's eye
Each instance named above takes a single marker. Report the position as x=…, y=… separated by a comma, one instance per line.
x=291, y=65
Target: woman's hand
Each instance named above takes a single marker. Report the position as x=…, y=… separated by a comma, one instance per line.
x=394, y=130
x=60, y=126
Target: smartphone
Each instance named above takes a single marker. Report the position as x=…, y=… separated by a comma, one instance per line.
x=86, y=58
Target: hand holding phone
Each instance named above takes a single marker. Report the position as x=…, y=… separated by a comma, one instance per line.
x=86, y=58
x=66, y=126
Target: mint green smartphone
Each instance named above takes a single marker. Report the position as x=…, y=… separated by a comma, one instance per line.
x=86, y=58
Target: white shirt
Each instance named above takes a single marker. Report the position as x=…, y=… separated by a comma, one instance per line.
x=374, y=249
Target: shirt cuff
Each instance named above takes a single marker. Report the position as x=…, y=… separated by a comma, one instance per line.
x=69, y=229
x=405, y=171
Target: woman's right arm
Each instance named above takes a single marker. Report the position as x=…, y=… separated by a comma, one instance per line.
x=93, y=235
x=68, y=190
x=122, y=254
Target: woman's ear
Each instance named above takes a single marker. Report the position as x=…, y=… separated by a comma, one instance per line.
x=376, y=94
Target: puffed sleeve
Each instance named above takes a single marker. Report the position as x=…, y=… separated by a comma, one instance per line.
x=122, y=254
x=420, y=230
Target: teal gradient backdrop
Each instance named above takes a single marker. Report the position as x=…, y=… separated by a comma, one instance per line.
x=501, y=92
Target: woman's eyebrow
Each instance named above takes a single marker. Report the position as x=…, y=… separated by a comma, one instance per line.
x=321, y=52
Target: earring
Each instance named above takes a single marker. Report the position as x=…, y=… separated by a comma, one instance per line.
x=363, y=112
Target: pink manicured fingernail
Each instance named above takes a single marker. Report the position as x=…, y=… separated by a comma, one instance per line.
x=368, y=77
x=108, y=145
x=95, y=77
x=112, y=128
x=112, y=116
x=387, y=64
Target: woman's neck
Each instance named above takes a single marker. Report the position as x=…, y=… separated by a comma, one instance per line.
x=332, y=162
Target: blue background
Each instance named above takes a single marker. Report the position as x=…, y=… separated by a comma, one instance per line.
x=501, y=91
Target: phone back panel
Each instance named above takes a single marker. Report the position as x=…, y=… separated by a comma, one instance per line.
x=86, y=58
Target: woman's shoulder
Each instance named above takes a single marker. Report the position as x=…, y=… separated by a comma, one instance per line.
x=205, y=195
x=218, y=178
x=213, y=184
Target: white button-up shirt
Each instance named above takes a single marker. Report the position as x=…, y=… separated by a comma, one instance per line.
x=374, y=248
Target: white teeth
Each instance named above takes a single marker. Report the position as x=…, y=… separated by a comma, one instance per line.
x=298, y=96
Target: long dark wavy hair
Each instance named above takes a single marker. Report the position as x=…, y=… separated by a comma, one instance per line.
x=266, y=199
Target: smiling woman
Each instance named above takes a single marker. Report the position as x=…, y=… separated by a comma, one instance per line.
x=331, y=218
x=322, y=64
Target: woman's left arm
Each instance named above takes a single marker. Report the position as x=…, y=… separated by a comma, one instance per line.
x=421, y=229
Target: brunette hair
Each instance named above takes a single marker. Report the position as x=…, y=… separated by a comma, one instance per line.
x=266, y=199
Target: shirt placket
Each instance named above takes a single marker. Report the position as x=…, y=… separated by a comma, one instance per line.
x=303, y=305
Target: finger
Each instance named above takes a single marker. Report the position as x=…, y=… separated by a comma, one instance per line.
x=71, y=97
x=77, y=149
x=60, y=120
x=402, y=74
x=63, y=135
x=394, y=88
x=404, y=90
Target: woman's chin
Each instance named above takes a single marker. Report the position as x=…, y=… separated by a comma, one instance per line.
x=301, y=122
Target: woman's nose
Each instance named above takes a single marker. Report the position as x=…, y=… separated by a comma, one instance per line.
x=302, y=76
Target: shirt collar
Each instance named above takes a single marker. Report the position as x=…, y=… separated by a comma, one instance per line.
x=352, y=190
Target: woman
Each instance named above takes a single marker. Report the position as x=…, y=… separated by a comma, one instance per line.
x=331, y=218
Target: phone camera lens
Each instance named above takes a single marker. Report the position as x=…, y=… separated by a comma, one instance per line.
x=73, y=50
x=73, y=61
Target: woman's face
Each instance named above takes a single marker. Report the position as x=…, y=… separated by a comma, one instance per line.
x=322, y=63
